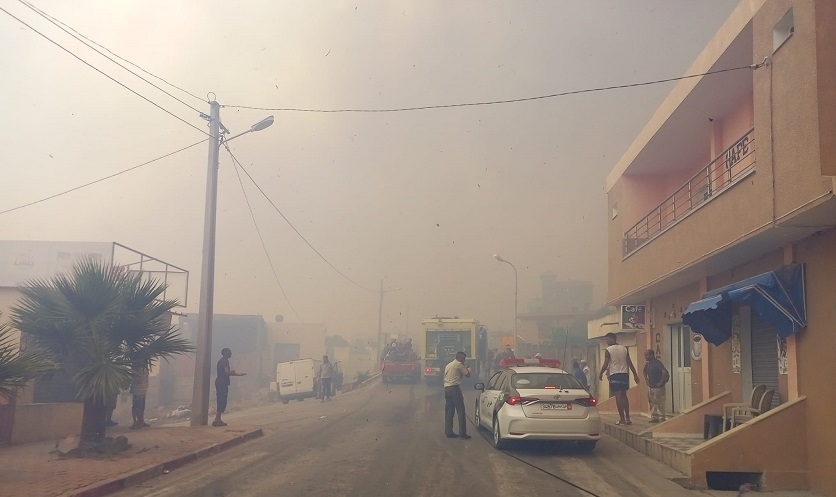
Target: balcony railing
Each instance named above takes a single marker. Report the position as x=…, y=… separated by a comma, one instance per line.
x=728, y=168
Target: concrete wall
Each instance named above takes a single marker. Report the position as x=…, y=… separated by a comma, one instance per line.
x=825, y=76
x=786, y=103
x=692, y=420
x=814, y=352
x=773, y=444
x=37, y=422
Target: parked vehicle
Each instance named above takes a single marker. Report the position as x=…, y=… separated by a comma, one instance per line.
x=532, y=399
x=296, y=379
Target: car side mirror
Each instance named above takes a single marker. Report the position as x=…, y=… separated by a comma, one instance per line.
x=480, y=387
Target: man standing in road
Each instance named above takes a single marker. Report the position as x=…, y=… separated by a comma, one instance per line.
x=325, y=373
x=454, y=372
x=222, y=384
x=139, y=389
x=656, y=376
x=618, y=364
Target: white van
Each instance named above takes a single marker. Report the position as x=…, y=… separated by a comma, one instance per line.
x=296, y=379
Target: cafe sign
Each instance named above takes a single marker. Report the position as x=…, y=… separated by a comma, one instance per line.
x=632, y=317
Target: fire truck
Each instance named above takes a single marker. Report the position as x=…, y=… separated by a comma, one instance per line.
x=442, y=337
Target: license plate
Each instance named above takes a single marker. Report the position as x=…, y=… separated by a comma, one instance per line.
x=556, y=406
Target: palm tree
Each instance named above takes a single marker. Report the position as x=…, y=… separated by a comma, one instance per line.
x=17, y=366
x=109, y=323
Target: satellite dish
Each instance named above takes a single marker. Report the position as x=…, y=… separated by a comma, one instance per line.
x=279, y=318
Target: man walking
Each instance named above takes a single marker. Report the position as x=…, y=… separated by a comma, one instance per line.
x=577, y=372
x=325, y=373
x=222, y=384
x=618, y=364
x=656, y=376
x=139, y=389
x=454, y=372
x=589, y=379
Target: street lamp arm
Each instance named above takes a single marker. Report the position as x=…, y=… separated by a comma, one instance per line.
x=516, y=292
x=264, y=123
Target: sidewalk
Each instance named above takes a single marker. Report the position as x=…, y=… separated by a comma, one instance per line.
x=36, y=469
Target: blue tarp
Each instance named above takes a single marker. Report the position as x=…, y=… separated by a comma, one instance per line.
x=777, y=297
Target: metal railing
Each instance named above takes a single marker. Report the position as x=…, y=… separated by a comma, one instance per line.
x=732, y=165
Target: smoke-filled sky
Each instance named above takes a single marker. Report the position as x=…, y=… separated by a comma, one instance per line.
x=420, y=199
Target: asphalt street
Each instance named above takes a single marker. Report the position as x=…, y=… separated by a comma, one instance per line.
x=388, y=440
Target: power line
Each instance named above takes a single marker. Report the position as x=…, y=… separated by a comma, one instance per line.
x=102, y=179
x=257, y=230
x=358, y=285
x=78, y=36
x=497, y=102
x=102, y=72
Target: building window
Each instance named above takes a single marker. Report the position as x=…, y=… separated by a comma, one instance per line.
x=615, y=210
x=783, y=30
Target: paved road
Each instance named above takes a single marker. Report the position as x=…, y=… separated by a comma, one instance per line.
x=388, y=440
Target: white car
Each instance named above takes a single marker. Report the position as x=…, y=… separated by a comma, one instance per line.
x=531, y=399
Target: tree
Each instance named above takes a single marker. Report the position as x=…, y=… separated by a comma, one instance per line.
x=110, y=323
x=17, y=366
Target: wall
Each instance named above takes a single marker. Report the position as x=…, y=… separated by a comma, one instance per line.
x=788, y=104
x=825, y=76
x=37, y=422
x=815, y=356
x=773, y=444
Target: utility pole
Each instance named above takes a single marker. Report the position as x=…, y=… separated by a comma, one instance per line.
x=380, y=323
x=203, y=353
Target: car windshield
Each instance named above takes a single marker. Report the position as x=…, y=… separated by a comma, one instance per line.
x=561, y=381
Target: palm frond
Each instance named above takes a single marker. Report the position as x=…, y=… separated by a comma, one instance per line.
x=108, y=322
x=17, y=367
x=103, y=380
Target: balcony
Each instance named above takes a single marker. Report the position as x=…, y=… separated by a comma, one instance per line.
x=727, y=169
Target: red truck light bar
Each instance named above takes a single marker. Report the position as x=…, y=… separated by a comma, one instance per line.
x=547, y=363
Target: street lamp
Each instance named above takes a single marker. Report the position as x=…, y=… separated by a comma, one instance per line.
x=203, y=353
x=516, y=287
x=380, y=318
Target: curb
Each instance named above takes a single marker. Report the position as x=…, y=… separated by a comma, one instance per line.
x=106, y=487
x=371, y=379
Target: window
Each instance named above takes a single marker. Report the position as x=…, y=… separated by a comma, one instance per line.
x=783, y=30
x=493, y=384
x=538, y=381
x=615, y=210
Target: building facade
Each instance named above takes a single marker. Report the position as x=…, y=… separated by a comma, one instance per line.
x=721, y=217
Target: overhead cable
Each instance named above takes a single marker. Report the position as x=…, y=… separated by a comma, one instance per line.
x=73, y=32
x=496, y=102
x=317, y=252
x=257, y=230
x=102, y=179
x=102, y=72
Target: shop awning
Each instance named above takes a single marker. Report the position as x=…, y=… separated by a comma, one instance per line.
x=777, y=297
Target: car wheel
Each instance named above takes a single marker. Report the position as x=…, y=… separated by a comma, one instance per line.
x=587, y=445
x=477, y=418
x=498, y=442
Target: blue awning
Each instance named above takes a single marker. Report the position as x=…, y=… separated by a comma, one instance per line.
x=777, y=297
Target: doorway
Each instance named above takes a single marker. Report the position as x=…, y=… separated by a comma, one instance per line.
x=680, y=350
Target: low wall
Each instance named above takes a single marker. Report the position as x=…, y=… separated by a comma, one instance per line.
x=634, y=395
x=774, y=444
x=38, y=422
x=692, y=420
